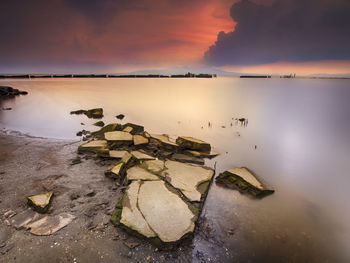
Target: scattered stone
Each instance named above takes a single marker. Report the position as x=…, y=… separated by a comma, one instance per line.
x=50, y=224
x=92, y=146
x=120, y=116
x=131, y=245
x=10, y=214
x=136, y=129
x=243, y=180
x=187, y=178
x=155, y=166
x=193, y=144
x=41, y=202
x=140, y=140
x=138, y=173
x=116, y=171
x=161, y=207
x=9, y=92
x=163, y=140
x=22, y=219
x=99, y=124
x=142, y=156
x=92, y=113
x=117, y=154
x=119, y=137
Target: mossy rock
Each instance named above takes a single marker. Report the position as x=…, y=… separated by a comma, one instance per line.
x=234, y=181
x=100, y=134
x=191, y=143
x=136, y=129
x=94, y=113
x=99, y=124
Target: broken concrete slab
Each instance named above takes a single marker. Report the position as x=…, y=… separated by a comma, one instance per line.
x=131, y=216
x=187, y=159
x=116, y=171
x=164, y=211
x=142, y=156
x=92, y=146
x=129, y=159
x=41, y=202
x=136, y=129
x=120, y=137
x=193, y=144
x=140, y=140
x=243, y=180
x=138, y=173
x=155, y=166
x=164, y=141
x=22, y=219
x=187, y=178
x=50, y=224
x=116, y=154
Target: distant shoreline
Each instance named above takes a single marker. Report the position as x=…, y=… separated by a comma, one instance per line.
x=35, y=76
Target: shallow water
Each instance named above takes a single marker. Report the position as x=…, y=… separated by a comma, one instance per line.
x=300, y=128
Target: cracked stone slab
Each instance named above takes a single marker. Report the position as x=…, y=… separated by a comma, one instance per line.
x=49, y=225
x=138, y=173
x=22, y=219
x=140, y=140
x=155, y=166
x=187, y=178
x=118, y=136
x=116, y=154
x=131, y=216
x=142, y=156
x=92, y=146
x=164, y=211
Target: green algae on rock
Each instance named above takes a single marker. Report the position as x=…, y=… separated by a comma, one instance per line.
x=41, y=202
x=243, y=180
x=191, y=143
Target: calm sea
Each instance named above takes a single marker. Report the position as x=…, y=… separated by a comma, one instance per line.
x=297, y=141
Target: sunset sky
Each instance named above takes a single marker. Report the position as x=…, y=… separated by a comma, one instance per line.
x=260, y=36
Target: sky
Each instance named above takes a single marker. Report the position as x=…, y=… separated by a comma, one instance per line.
x=113, y=36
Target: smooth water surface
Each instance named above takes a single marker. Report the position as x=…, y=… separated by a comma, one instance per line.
x=300, y=128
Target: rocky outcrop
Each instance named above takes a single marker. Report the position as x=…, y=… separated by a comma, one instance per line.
x=9, y=92
x=243, y=180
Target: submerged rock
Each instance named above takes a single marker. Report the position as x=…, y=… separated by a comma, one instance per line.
x=99, y=124
x=94, y=113
x=120, y=116
x=193, y=144
x=41, y=202
x=243, y=180
x=9, y=92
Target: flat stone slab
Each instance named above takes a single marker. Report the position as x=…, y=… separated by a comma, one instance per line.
x=164, y=211
x=142, y=156
x=155, y=166
x=243, y=180
x=164, y=139
x=138, y=173
x=140, y=140
x=116, y=154
x=131, y=216
x=50, y=224
x=92, y=146
x=187, y=178
x=40, y=202
x=22, y=219
x=116, y=171
x=187, y=159
x=193, y=144
x=118, y=136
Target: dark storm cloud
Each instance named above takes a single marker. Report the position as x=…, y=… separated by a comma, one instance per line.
x=287, y=30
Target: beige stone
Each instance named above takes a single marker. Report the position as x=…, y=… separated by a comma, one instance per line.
x=165, y=212
x=117, y=154
x=138, y=173
x=154, y=165
x=186, y=178
x=131, y=216
x=142, y=156
x=50, y=224
x=40, y=202
x=140, y=140
x=118, y=136
x=246, y=175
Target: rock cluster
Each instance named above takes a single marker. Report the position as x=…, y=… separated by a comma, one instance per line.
x=9, y=92
x=165, y=191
